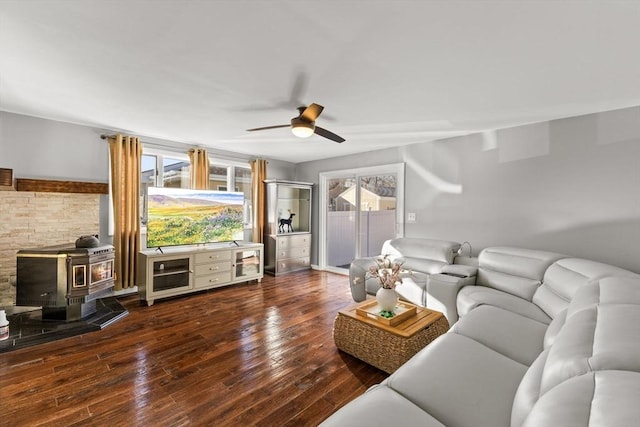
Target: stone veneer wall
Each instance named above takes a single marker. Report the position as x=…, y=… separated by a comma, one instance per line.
x=31, y=220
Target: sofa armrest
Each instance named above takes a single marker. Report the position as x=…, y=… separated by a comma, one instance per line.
x=460, y=270
x=358, y=276
x=442, y=292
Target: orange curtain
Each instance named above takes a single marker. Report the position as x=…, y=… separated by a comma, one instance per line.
x=199, y=168
x=258, y=175
x=126, y=155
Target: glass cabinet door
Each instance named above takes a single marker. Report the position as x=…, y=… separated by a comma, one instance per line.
x=293, y=209
x=247, y=263
x=288, y=207
x=170, y=274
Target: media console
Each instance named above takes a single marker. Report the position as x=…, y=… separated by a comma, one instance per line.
x=183, y=269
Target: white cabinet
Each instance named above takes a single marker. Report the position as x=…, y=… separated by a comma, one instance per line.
x=290, y=253
x=185, y=269
x=287, y=226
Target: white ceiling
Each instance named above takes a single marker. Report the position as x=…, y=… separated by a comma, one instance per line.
x=389, y=73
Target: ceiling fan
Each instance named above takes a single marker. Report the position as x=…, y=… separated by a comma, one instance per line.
x=304, y=125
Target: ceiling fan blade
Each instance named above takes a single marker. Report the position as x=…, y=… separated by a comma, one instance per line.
x=298, y=90
x=269, y=127
x=327, y=134
x=312, y=112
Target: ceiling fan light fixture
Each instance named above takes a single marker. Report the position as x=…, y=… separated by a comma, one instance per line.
x=304, y=125
x=302, y=129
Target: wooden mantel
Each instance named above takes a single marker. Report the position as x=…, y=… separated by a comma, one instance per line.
x=52, y=186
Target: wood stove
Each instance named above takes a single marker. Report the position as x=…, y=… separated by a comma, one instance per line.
x=64, y=280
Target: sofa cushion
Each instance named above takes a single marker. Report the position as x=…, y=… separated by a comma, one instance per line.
x=460, y=382
x=514, y=270
x=565, y=276
x=517, y=337
x=436, y=250
x=381, y=406
x=595, y=399
x=598, y=338
x=471, y=297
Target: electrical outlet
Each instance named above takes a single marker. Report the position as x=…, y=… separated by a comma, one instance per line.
x=411, y=217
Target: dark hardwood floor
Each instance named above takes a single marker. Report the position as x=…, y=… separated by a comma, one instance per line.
x=248, y=354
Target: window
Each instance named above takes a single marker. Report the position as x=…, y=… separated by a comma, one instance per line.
x=218, y=178
x=160, y=169
x=242, y=182
x=175, y=173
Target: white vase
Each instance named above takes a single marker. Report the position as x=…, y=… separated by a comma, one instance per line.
x=387, y=299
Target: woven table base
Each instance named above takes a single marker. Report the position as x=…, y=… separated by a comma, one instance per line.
x=381, y=348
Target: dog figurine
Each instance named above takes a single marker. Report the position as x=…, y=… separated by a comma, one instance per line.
x=286, y=222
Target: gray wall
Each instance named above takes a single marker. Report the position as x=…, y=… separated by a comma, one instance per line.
x=570, y=185
x=45, y=149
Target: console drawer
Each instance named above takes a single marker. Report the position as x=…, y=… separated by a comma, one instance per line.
x=214, y=267
x=213, y=256
x=293, y=253
x=301, y=240
x=212, y=280
x=292, y=264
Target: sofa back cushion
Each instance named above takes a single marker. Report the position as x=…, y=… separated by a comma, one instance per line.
x=423, y=265
x=565, y=276
x=601, y=337
x=429, y=249
x=596, y=335
x=424, y=255
x=608, y=290
x=514, y=270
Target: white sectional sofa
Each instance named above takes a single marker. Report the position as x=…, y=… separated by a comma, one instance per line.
x=542, y=340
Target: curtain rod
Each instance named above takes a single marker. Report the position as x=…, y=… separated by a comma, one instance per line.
x=155, y=144
x=179, y=145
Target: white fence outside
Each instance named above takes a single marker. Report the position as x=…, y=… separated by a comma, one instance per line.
x=376, y=227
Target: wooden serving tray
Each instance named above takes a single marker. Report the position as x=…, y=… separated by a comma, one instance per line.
x=372, y=310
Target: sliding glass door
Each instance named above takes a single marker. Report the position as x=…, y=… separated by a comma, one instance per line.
x=377, y=213
x=340, y=221
x=361, y=209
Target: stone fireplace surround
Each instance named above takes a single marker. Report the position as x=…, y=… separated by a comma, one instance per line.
x=44, y=213
x=33, y=219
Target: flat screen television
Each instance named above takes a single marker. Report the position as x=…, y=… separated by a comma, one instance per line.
x=180, y=216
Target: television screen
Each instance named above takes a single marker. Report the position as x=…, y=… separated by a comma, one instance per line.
x=180, y=216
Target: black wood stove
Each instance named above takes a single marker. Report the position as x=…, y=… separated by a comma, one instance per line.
x=64, y=280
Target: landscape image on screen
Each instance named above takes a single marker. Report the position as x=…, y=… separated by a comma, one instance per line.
x=178, y=216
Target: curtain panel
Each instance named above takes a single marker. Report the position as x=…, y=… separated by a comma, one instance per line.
x=199, y=168
x=258, y=175
x=126, y=154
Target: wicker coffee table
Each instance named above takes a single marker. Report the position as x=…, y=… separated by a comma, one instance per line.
x=385, y=346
